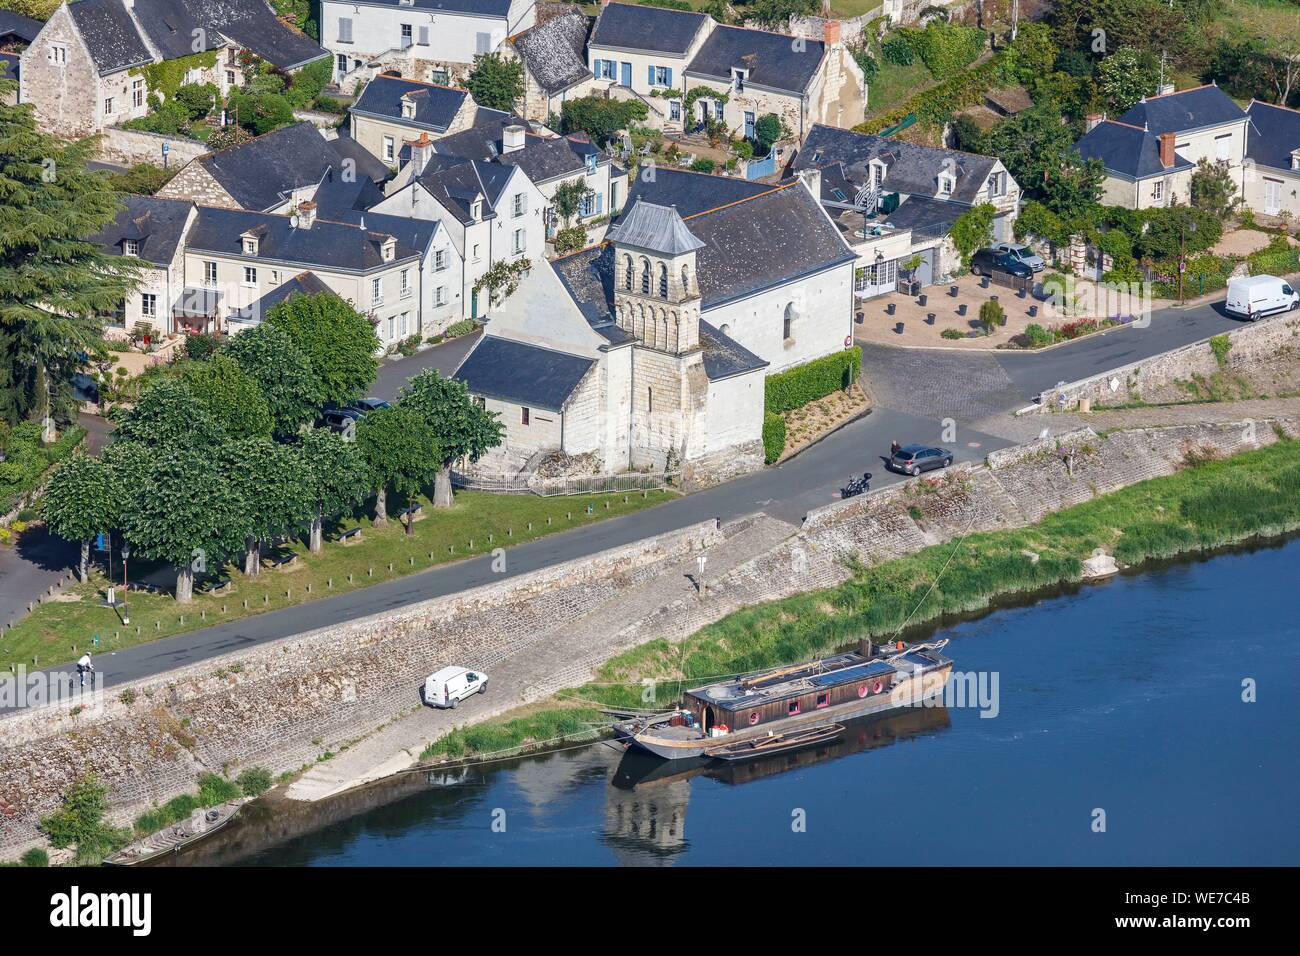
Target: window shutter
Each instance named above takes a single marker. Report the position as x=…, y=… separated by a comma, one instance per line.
x=483, y=43
x=652, y=76
x=345, y=30
x=669, y=82
x=424, y=36
x=600, y=203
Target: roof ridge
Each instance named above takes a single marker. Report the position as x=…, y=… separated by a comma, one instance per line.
x=737, y=202
x=1140, y=129
x=254, y=139
x=1190, y=89
x=404, y=79
x=1276, y=106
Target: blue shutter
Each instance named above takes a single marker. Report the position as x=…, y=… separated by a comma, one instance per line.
x=670, y=77
x=600, y=203
x=652, y=75
x=626, y=77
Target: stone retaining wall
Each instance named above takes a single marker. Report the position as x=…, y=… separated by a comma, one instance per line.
x=283, y=704
x=1253, y=343
x=130, y=146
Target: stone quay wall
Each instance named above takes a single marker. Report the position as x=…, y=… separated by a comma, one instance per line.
x=1252, y=344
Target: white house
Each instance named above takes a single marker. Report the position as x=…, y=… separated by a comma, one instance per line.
x=154, y=232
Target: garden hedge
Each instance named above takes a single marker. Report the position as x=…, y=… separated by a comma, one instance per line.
x=812, y=380
x=773, y=436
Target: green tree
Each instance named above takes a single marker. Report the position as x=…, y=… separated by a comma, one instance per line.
x=398, y=448
x=601, y=119
x=338, y=341
x=495, y=82
x=767, y=131
x=1126, y=76
x=54, y=282
x=973, y=230
x=569, y=197
x=230, y=396
x=168, y=413
x=334, y=476
x=1031, y=144
x=271, y=477
x=259, y=112
x=461, y=429
x=1212, y=188
x=180, y=508
x=1071, y=190
x=80, y=501
x=283, y=373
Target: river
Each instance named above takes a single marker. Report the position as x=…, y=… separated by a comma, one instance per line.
x=1121, y=738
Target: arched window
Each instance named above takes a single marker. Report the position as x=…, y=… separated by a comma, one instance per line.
x=686, y=281
x=663, y=281
x=627, y=273
x=791, y=313
x=645, y=276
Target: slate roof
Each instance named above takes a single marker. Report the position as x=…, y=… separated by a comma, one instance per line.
x=909, y=168
x=693, y=193
x=1274, y=131
x=263, y=172
x=555, y=52
x=253, y=25
x=483, y=139
x=304, y=283
x=1196, y=108
x=109, y=34
x=654, y=228
x=435, y=106
x=327, y=244
x=771, y=58
x=157, y=224
x=724, y=357
x=413, y=233
x=542, y=158
x=15, y=25
x=484, y=8
x=1126, y=150
x=457, y=186
x=927, y=218
x=765, y=241
x=654, y=29
x=170, y=27
x=524, y=374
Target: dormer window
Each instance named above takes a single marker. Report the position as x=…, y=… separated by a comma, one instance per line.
x=877, y=174
x=947, y=183
x=130, y=247
x=590, y=160
x=388, y=249
x=408, y=108
x=738, y=78
x=476, y=210
x=250, y=246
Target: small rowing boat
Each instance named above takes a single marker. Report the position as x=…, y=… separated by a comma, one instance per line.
x=173, y=839
x=775, y=743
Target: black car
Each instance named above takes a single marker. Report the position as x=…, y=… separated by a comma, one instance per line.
x=986, y=262
x=364, y=405
x=339, y=419
x=914, y=459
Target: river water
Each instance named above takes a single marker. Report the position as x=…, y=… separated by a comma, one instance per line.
x=1121, y=738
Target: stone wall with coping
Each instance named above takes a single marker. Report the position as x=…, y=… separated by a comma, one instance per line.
x=131, y=146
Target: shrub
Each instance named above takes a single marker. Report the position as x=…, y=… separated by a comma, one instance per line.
x=570, y=240
x=35, y=857
x=703, y=165
x=80, y=822
x=201, y=345
x=1278, y=258
x=1036, y=336
x=214, y=789
x=897, y=49
x=992, y=316
x=812, y=380
x=463, y=327
x=952, y=334
x=254, y=781
x=409, y=345
x=945, y=48
x=773, y=436
x=197, y=99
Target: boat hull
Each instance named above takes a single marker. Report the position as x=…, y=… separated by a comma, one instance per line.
x=914, y=692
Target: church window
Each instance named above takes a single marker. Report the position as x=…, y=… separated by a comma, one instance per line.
x=663, y=281
x=645, y=276
x=649, y=399
x=686, y=281
x=627, y=270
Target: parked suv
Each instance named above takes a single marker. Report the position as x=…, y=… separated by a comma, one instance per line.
x=914, y=459
x=986, y=262
x=1021, y=253
x=339, y=419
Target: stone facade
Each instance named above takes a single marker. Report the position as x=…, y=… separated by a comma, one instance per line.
x=195, y=183
x=129, y=146
x=63, y=87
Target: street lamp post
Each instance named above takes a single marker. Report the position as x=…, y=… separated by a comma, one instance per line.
x=126, y=553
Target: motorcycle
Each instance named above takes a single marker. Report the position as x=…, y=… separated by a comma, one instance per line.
x=856, y=486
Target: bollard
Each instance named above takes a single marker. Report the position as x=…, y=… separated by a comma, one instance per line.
x=309, y=589
x=266, y=599
x=412, y=560
x=489, y=537
x=245, y=604
x=390, y=567
x=370, y=572
x=349, y=578
x=329, y=583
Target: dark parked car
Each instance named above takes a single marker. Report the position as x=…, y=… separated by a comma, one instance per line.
x=364, y=405
x=914, y=459
x=986, y=262
x=339, y=419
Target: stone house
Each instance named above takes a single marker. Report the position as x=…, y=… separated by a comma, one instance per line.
x=434, y=40
x=659, y=56
x=153, y=231
x=1151, y=151
x=277, y=170
x=84, y=72
x=554, y=57
x=1270, y=174
x=392, y=110
x=895, y=202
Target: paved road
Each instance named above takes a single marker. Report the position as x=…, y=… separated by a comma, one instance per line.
x=946, y=380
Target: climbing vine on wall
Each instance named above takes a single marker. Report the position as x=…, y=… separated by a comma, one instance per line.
x=166, y=78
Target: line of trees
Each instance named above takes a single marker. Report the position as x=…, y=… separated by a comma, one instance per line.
x=219, y=455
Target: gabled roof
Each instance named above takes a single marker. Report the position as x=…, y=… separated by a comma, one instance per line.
x=411, y=232
x=545, y=159
x=483, y=8
x=16, y=25
x=555, y=52
x=110, y=35
x=1196, y=108
x=654, y=228
x=523, y=374
x=253, y=25
x=457, y=186
x=435, y=106
x=263, y=172
x=692, y=193
x=1127, y=150
x=327, y=244
x=909, y=168
x=158, y=225
x=483, y=138
x=170, y=27
x=654, y=29
x=771, y=58
x=724, y=357
x=1273, y=133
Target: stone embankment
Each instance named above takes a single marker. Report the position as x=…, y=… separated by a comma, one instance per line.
x=351, y=691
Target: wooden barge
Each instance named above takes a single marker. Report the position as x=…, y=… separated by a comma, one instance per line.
x=802, y=702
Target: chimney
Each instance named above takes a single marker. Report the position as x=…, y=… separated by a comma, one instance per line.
x=421, y=153
x=512, y=138
x=306, y=215
x=831, y=32
x=1166, y=149
x=1166, y=89
x=1092, y=121
x=812, y=178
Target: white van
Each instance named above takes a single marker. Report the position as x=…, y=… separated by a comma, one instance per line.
x=451, y=685
x=1253, y=297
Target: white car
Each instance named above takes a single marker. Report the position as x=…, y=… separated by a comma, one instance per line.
x=449, y=686
x=1253, y=297
x=1023, y=253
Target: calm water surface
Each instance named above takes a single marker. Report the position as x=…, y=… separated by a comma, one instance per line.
x=1124, y=697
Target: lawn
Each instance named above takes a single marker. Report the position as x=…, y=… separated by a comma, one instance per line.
x=894, y=85
x=61, y=629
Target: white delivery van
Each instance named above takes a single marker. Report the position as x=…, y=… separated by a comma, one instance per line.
x=1255, y=296
x=451, y=685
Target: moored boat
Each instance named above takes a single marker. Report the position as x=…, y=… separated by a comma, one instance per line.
x=751, y=748
x=200, y=825
x=791, y=701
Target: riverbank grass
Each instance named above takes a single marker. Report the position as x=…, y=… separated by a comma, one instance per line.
x=1210, y=503
x=64, y=627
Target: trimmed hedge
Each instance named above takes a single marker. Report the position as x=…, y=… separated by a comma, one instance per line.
x=773, y=436
x=812, y=380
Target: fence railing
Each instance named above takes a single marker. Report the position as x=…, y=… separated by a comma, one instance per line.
x=578, y=485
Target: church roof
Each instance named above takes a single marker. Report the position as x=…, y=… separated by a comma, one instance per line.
x=656, y=229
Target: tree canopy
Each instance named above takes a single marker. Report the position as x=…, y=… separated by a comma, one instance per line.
x=81, y=500
x=231, y=397
x=283, y=373
x=338, y=341
x=495, y=82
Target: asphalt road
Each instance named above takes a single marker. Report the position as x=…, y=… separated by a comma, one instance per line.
x=786, y=492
